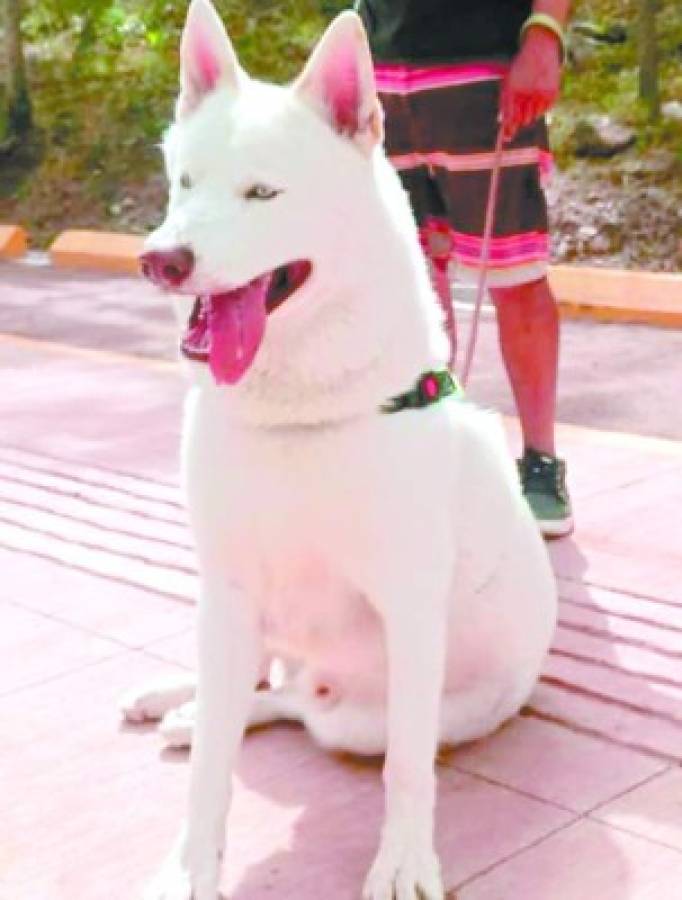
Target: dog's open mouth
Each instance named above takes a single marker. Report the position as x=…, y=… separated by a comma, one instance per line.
x=225, y=330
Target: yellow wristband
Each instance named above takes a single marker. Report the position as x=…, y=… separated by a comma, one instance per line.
x=543, y=20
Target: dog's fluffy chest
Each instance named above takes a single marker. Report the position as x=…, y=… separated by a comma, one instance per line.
x=293, y=511
x=305, y=606
x=294, y=487
x=281, y=509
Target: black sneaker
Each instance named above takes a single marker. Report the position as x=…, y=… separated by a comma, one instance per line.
x=543, y=480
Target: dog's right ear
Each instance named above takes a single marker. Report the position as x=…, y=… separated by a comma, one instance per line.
x=207, y=58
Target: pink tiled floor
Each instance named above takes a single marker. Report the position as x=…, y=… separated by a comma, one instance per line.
x=579, y=797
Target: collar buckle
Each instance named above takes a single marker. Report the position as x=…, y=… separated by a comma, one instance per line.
x=431, y=387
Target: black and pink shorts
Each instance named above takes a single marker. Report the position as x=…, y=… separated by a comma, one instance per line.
x=441, y=126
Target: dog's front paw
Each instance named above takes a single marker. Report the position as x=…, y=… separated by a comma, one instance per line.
x=177, y=883
x=180, y=879
x=404, y=869
x=177, y=726
x=170, y=885
x=152, y=701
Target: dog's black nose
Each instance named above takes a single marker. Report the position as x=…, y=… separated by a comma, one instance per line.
x=167, y=268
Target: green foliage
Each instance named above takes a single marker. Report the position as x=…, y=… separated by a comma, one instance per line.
x=19, y=117
x=608, y=84
x=115, y=61
x=4, y=118
x=104, y=79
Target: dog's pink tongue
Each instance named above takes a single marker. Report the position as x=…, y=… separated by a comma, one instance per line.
x=236, y=323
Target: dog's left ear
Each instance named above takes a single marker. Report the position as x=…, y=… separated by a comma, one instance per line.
x=338, y=82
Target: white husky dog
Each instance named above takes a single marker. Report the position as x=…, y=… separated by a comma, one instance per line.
x=388, y=560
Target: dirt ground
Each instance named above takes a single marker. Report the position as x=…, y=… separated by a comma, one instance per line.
x=626, y=214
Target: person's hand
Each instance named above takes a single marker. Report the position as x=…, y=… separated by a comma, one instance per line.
x=532, y=83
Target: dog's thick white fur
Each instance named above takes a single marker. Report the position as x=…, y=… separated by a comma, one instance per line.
x=389, y=561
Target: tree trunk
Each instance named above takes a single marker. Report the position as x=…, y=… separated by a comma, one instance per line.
x=19, y=117
x=648, y=57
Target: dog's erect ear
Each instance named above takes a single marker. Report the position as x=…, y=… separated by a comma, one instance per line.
x=207, y=58
x=338, y=81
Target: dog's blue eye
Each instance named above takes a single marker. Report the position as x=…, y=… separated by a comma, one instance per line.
x=185, y=181
x=261, y=192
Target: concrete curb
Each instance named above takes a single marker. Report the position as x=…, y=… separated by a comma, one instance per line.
x=105, y=251
x=13, y=241
x=618, y=295
x=583, y=292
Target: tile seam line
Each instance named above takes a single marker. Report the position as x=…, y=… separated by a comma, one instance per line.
x=661, y=446
x=601, y=697
x=92, y=523
x=634, y=482
x=636, y=644
x=83, y=629
x=631, y=673
x=71, y=495
x=601, y=546
x=624, y=591
x=100, y=468
x=593, y=662
x=49, y=679
x=76, y=479
x=157, y=655
x=529, y=795
x=664, y=767
x=164, y=595
x=148, y=646
x=510, y=856
x=659, y=755
x=628, y=617
x=586, y=817
x=635, y=787
x=635, y=834
x=96, y=548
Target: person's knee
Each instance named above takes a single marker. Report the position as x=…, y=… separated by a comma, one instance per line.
x=514, y=294
x=534, y=299
x=521, y=293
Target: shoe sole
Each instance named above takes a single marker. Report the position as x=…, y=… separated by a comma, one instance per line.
x=555, y=528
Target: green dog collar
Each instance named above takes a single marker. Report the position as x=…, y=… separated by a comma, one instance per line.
x=430, y=388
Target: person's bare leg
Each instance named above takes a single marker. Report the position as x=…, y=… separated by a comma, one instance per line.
x=528, y=330
x=437, y=243
x=441, y=282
